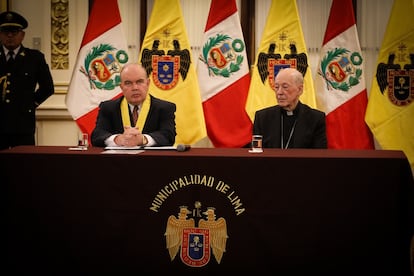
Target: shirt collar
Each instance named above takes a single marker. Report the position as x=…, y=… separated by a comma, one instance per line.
x=16, y=51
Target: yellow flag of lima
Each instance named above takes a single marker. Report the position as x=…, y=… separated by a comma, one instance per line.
x=166, y=55
x=282, y=45
x=390, y=110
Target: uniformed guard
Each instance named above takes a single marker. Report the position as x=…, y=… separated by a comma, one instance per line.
x=25, y=83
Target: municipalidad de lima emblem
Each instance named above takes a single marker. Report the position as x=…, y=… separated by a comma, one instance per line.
x=196, y=243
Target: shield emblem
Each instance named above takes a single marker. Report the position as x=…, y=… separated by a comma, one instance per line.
x=400, y=86
x=100, y=70
x=165, y=71
x=222, y=55
x=195, y=247
x=336, y=72
x=274, y=66
x=218, y=58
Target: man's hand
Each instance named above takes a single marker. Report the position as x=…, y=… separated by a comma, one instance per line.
x=130, y=138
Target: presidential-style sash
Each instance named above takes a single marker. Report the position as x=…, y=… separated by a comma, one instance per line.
x=145, y=106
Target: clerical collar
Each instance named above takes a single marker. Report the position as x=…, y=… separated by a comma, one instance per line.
x=289, y=112
x=292, y=112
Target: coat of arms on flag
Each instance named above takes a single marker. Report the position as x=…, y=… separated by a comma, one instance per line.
x=398, y=82
x=401, y=86
x=341, y=70
x=165, y=67
x=102, y=66
x=220, y=54
x=96, y=74
x=166, y=56
x=269, y=64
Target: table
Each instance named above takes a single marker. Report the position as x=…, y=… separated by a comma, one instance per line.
x=280, y=212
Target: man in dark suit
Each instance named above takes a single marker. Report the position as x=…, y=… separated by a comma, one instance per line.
x=290, y=124
x=115, y=124
x=25, y=82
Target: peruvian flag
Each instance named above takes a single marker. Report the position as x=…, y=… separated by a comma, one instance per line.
x=95, y=77
x=340, y=84
x=224, y=77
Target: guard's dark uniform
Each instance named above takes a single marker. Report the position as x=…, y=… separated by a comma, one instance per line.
x=25, y=83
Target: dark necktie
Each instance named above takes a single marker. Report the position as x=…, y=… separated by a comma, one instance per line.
x=135, y=114
x=10, y=57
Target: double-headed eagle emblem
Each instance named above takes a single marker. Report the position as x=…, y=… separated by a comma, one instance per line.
x=195, y=242
x=266, y=61
x=398, y=82
x=165, y=67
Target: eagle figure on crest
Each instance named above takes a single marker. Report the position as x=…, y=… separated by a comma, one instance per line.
x=184, y=55
x=382, y=71
x=301, y=59
x=146, y=58
x=262, y=61
x=410, y=66
x=175, y=228
x=218, y=232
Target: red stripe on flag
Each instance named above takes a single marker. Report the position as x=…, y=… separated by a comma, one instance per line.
x=86, y=122
x=227, y=121
x=219, y=11
x=346, y=128
x=101, y=22
x=340, y=19
x=222, y=113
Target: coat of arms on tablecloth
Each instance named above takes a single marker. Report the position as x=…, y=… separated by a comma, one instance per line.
x=196, y=243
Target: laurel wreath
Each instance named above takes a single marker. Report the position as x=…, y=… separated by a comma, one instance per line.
x=353, y=80
x=99, y=51
x=122, y=56
x=356, y=58
x=225, y=72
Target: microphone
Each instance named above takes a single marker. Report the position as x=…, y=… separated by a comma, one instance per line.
x=182, y=147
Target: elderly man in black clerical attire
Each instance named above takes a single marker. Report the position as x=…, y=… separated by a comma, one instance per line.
x=290, y=123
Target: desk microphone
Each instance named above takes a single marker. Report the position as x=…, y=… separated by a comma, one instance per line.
x=182, y=147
